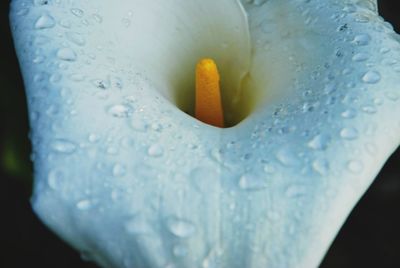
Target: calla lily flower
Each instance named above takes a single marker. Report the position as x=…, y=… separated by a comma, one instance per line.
x=126, y=174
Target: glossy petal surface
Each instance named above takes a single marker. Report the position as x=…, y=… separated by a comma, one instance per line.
x=132, y=181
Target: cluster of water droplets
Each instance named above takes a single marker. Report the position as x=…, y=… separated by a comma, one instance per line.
x=298, y=140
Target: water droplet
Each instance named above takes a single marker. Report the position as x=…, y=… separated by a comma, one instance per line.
x=360, y=57
x=120, y=110
x=155, y=150
x=119, y=170
x=216, y=154
x=369, y=109
x=349, y=133
x=347, y=71
x=329, y=88
x=97, y=18
x=355, y=166
x=84, y=204
x=52, y=110
x=321, y=166
x=156, y=127
x=63, y=146
x=77, y=12
x=55, y=78
x=319, y=142
x=362, y=18
x=117, y=83
x=66, y=54
x=22, y=12
x=349, y=113
x=93, y=138
x=40, y=2
x=252, y=182
x=45, y=22
x=269, y=168
x=100, y=83
x=126, y=22
x=38, y=59
x=180, y=227
x=75, y=38
x=287, y=157
x=371, y=77
x=371, y=148
x=393, y=96
x=55, y=179
x=362, y=39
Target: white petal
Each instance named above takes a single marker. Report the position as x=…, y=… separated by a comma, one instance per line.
x=130, y=180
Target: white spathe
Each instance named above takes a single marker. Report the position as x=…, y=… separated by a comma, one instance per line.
x=130, y=180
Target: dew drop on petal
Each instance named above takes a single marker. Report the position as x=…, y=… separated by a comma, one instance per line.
x=319, y=142
x=180, y=227
x=84, y=204
x=155, y=150
x=252, y=182
x=269, y=168
x=349, y=133
x=371, y=148
x=355, y=166
x=369, y=109
x=362, y=39
x=118, y=170
x=93, y=138
x=66, y=54
x=75, y=38
x=63, y=146
x=360, y=57
x=38, y=59
x=45, y=22
x=97, y=18
x=22, y=11
x=321, y=166
x=55, y=179
x=371, y=77
x=349, y=113
x=126, y=22
x=77, y=12
x=393, y=96
x=120, y=110
x=287, y=157
x=40, y=2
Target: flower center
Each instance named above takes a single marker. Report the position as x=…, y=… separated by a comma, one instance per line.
x=166, y=41
x=208, y=95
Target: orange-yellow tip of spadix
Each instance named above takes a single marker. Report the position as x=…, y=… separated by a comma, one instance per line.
x=208, y=95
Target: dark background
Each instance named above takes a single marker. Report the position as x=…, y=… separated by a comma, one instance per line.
x=369, y=238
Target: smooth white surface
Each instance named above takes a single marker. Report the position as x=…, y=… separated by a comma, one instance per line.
x=132, y=181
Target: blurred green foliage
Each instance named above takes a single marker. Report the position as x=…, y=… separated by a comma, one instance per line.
x=14, y=142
